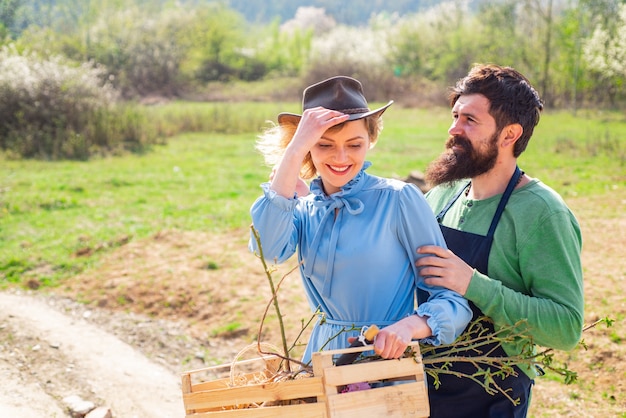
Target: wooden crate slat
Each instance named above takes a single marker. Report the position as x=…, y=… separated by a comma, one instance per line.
x=398, y=401
x=310, y=410
x=211, y=385
x=376, y=370
x=414, y=345
x=226, y=383
x=254, y=394
x=269, y=365
x=227, y=366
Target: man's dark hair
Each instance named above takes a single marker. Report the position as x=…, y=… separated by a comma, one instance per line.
x=511, y=97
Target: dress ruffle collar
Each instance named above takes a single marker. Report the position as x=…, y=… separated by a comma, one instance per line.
x=350, y=188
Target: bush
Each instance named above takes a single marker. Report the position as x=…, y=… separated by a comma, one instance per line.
x=141, y=50
x=50, y=109
x=248, y=69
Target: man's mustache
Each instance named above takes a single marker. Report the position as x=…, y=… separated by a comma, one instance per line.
x=458, y=141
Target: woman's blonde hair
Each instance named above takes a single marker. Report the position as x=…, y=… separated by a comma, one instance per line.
x=273, y=141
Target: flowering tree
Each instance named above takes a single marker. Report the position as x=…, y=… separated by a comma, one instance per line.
x=309, y=18
x=605, y=52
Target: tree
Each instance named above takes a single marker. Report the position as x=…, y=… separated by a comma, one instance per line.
x=8, y=11
x=309, y=18
x=215, y=38
x=605, y=52
x=285, y=50
x=439, y=44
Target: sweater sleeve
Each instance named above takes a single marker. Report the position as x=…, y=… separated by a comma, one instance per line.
x=551, y=273
x=448, y=312
x=273, y=216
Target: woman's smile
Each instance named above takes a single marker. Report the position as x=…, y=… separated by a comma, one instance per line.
x=339, y=169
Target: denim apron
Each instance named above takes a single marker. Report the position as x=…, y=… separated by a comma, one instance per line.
x=461, y=397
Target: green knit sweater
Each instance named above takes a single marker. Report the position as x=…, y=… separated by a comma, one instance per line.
x=534, y=268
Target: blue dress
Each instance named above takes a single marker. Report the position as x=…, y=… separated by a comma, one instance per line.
x=357, y=250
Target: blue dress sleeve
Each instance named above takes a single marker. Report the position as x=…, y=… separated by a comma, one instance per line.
x=448, y=312
x=274, y=217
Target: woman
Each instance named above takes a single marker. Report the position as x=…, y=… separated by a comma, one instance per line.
x=355, y=233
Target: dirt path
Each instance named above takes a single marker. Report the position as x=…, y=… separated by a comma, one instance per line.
x=47, y=355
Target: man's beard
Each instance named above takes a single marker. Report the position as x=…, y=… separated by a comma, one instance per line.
x=462, y=164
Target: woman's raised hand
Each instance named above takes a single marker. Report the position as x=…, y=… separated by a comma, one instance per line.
x=313, y=124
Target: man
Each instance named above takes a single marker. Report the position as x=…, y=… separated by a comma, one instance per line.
x=514, y=246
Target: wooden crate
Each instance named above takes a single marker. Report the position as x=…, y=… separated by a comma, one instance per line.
x=406, y=398
x=317, y=396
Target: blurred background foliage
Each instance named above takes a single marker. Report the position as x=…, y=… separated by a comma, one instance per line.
x=75, y=74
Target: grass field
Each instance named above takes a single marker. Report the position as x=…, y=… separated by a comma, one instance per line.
x=164, y=232
x=52, y=211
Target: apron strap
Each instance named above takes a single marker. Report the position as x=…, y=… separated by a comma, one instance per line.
x=504, y=200
x=443, y=212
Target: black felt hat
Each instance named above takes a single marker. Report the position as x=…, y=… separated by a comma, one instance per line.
x=341, y=93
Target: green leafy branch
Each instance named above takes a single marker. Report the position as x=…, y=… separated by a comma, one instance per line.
x=481, y=342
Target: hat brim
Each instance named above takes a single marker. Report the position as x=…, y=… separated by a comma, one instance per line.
x=293, y=118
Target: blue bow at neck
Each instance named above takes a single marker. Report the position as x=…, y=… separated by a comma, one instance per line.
x=345, y=198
